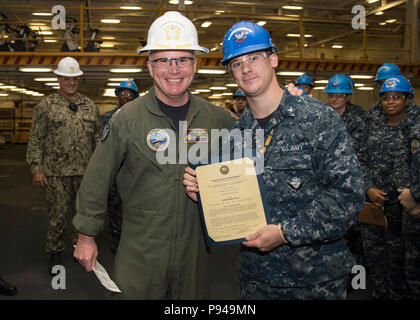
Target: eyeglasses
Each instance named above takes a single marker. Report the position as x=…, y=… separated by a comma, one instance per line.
x=337, y=95
x=73, y=107
x=166, y=63
x=126, y=93
x=250, y=59
x=394, y=97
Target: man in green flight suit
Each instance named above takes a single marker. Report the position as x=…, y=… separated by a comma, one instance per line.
x=162, y=252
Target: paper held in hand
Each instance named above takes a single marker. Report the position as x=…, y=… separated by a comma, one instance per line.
x=105, y=279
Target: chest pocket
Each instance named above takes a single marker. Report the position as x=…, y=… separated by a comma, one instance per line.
x=289, y=176
x=88, y=122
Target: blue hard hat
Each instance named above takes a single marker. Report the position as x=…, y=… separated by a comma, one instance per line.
x=304, y=79
x=397, y=84
x=386, y=71
x=351, y=81
x=339, y=84
x=304, y=92
x=239, y=93
x=130, y=84
x=245, y=37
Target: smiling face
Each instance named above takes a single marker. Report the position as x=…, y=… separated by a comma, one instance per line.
x=68, y=86
x=254, y=72
x=394, y=103
x=172, y=82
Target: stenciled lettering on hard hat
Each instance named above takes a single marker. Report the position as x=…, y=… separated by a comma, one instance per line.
x=240, y=36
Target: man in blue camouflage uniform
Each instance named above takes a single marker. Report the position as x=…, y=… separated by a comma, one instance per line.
x=126, y=92
x=339, y=90
x=385, y=162
x=312, y=179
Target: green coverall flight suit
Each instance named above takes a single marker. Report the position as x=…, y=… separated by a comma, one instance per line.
x=162, y=252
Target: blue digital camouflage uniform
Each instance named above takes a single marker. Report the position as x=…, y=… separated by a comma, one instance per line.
x=411, y=224
x=385, y=165
x=114, y=199
x=354, y=117
x=314, y=188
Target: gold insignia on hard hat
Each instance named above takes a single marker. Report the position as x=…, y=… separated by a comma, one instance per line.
x=172, y=32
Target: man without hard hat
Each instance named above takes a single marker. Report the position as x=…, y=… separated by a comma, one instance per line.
x=312, y=180
x=162, y=252
x=64, y=132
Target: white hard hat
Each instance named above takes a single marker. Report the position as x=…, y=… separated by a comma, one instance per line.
x=68, y=67
x=172, y=31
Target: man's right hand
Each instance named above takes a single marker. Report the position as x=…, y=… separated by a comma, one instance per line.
x=86, y=252
x=39, y=180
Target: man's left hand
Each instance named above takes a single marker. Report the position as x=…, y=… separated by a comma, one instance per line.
x=265, y=239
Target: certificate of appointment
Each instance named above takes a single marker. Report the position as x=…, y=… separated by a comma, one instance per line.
x=231, y=200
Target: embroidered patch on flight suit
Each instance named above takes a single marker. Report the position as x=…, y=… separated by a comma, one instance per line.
x=197, y=135
x=415, y=145
x=158, y=139
x=105, y=132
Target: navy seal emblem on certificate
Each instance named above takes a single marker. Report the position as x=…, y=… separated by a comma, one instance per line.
x=158, y=139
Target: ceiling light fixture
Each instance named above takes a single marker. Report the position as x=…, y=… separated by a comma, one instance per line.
x=129, y=70
x=110, y=21
x=211, y=71
x=218, y=88
x=130, y=8
x=360, y=76
x=261, y=23
x=25, y=69
x=297, y=35
x=292, y=7
x=206, y=24
x=42, y=14
x=45, y=79
x=290, y=73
